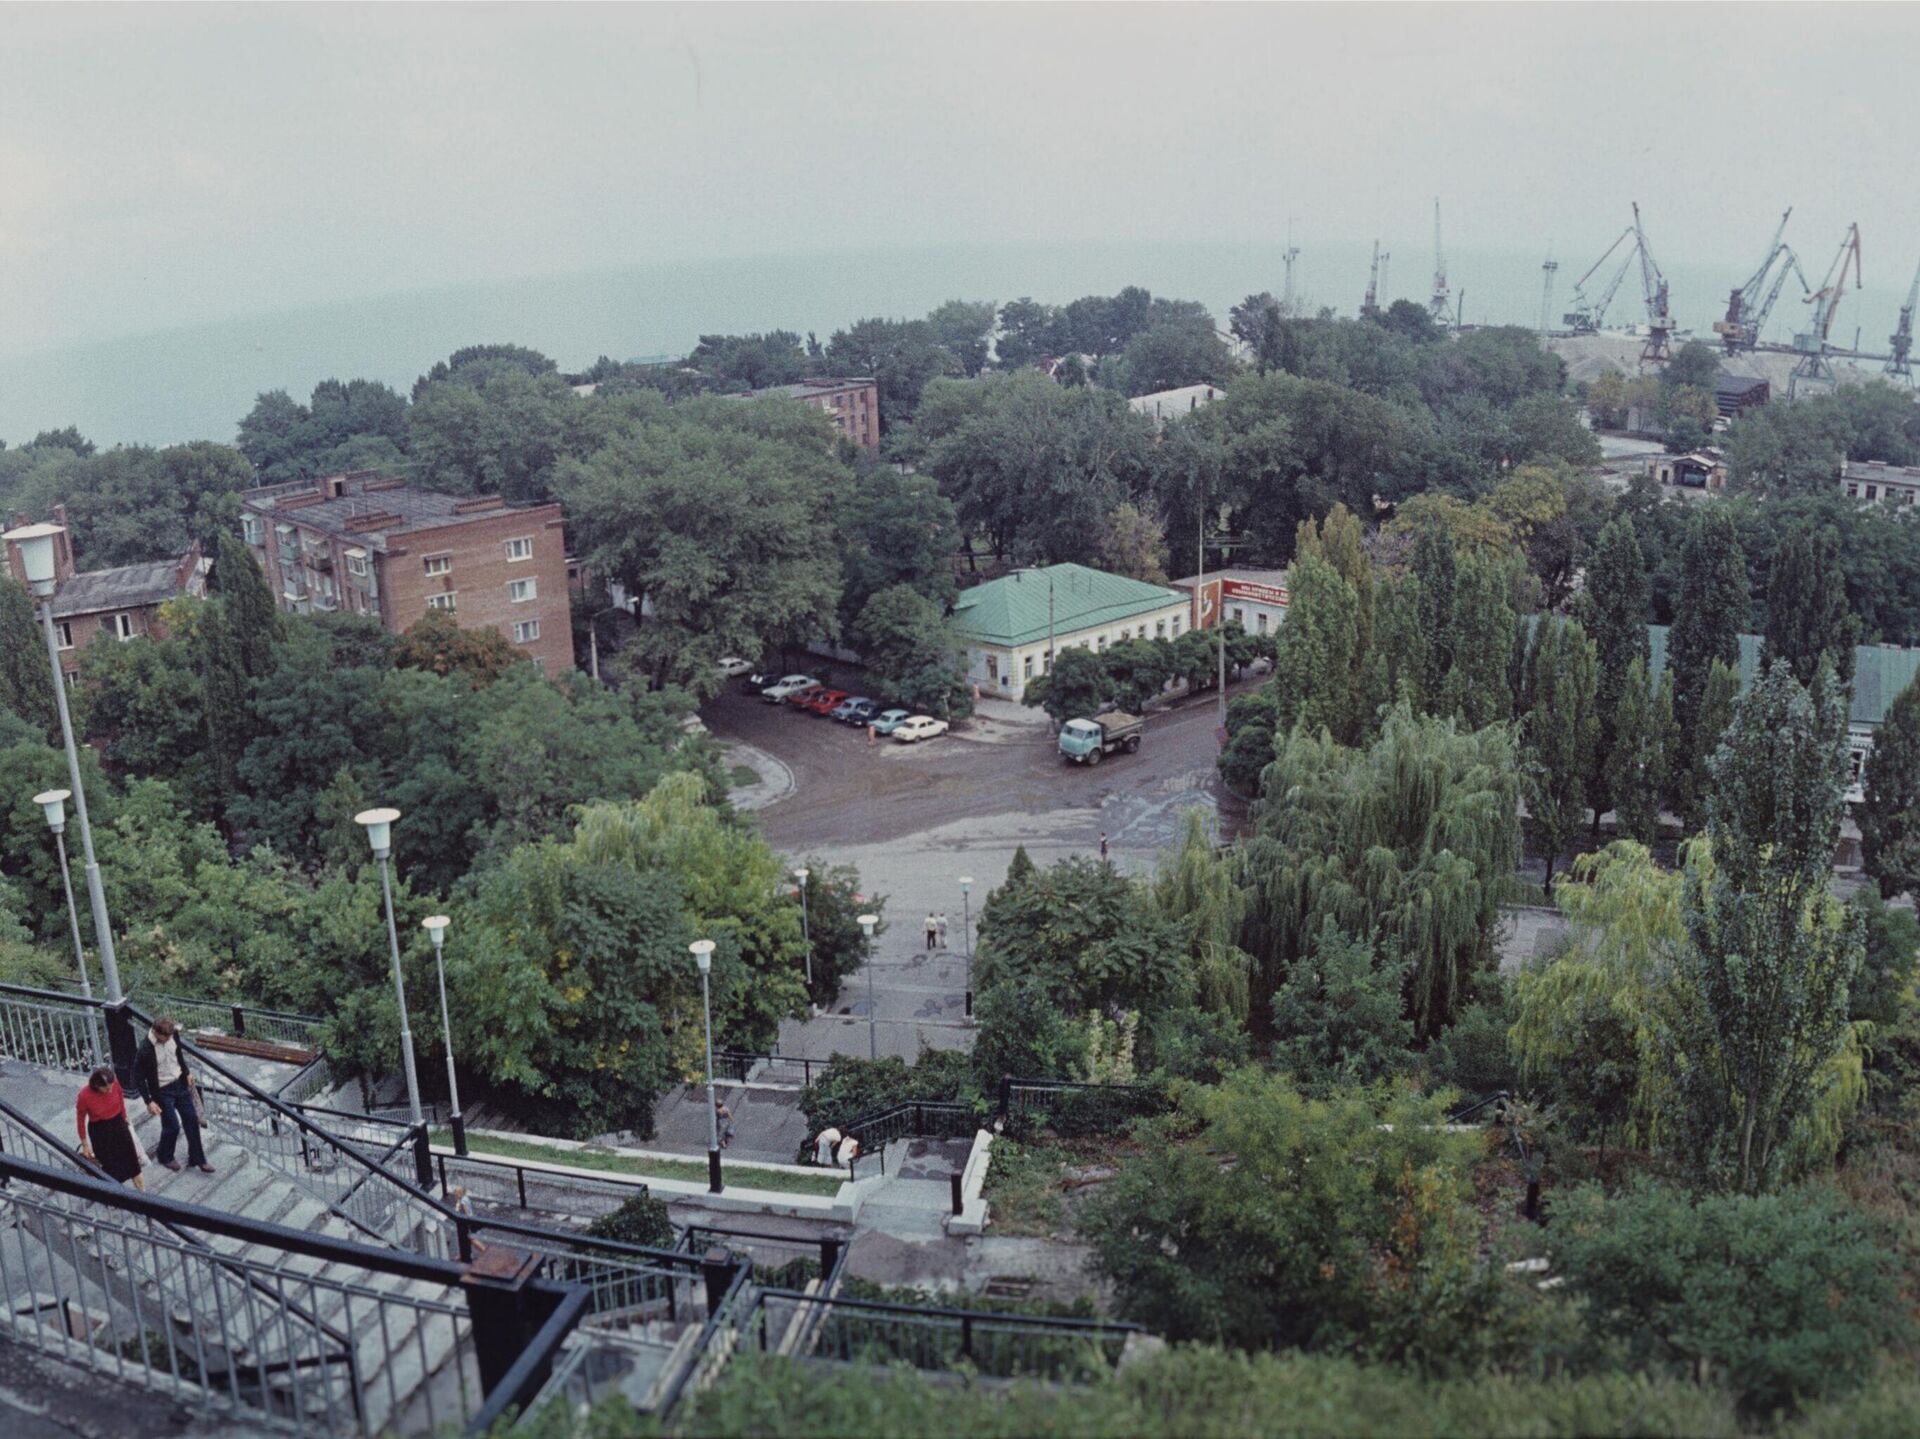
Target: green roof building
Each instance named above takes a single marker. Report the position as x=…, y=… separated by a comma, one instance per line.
x=1005, y=624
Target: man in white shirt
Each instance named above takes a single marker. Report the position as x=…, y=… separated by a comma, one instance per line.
x=165, y=1082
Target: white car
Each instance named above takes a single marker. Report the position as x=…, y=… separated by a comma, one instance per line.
x=733, y=667
x=918, y=728
x=786, y=685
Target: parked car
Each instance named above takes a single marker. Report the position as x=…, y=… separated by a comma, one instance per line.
x=752, y=684
x=787, y=685
x=732, y=666
x=856, y=711
x=801, y=698
x=889, y=720
x=919, y=727
x=825, y=702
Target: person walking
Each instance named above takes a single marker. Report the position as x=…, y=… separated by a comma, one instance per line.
x=1103, y=846
x=725, y=1115
x=933, y=930
x=943, y=929
x=105, y=1136
x=167, y=1085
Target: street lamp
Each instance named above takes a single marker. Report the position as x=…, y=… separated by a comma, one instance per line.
x=379, y=826
x=806, y=929
x=436, y=927
x=53, y=805
x=36, y=546
x=867, y=922
x=703, y=959
x=966, y=933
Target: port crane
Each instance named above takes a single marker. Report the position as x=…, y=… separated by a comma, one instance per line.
x=1440, y=307
x=1589, y=312
x=1287, y=258
x=1748, y=307
x=1371, y=305
x=1660, y=322
x=1901, y=340
x=1811, y=343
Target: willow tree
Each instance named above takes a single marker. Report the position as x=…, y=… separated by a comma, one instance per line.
x=1195, y=887
x=1408, y=843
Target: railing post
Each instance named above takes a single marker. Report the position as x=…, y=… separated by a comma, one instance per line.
x=829, y=1256
x=507, y=1310
x=463, y=1235
x=422, y=1157
x=1006, y=1098
x=716, y=1270
x=459, y=1135
x=953, y=1184
x=966, y=1335
x=239, y=1022
x=121, y=1044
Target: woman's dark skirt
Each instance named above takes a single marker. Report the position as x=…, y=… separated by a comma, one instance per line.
x=113, y=1147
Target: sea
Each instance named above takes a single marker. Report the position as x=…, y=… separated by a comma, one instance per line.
x=195, y=382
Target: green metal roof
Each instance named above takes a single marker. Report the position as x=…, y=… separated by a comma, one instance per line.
x=1012, y=610
x=1880, y=672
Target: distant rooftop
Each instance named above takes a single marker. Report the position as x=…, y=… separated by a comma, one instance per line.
x=802, y=389
x=125, y=587
x=1012, y=610
x=1164, y=405
x=366, y=506
x=1880, y=672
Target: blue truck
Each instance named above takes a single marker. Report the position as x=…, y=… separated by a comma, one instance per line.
x=1088, y=741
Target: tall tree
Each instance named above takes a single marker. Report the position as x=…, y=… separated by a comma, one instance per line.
x=1808, y=618
x=1560, y=732
x=26, y=680
x=1317, y=653
x=1691, y=769
x=258, y=625
x=1638, y=759
x=1481, y=638
x=1613, y=609
x=1712, y=608
x=1433, y=561
x=1890, y=818
x=1763, y=979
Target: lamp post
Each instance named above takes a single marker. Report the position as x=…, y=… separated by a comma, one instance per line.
x=703, y=959
x=379, y=826
x=806, y=928
x=436, y=927
x=867, y=922
x=53, y=805
x=36, y=546
x=966, y=934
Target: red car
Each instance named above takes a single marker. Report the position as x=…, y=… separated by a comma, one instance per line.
x=800, y=697
x=825, y=701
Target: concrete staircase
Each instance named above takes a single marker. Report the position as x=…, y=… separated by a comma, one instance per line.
x=408, y=1339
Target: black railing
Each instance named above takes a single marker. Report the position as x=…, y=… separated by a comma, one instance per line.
x=489, y=1179
x=1075, y=1108
x=915, y=1119
x=986, y=1341
x=737, y=1064
x=1497, y=1102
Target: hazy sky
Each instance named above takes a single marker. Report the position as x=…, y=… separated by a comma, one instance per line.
x=164, y=164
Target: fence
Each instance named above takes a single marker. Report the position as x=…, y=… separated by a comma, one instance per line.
x=1074, y=1109
x=738, y=1064
x=871, y=1331
x=491, y=1180
x=917, y=1119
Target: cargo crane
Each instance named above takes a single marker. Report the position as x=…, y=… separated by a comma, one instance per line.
x=1590, y=312
x=1547, y=272
x=1747, y=308
x=1371, y=305
x=1901, y=340
x=1287, y=258
x=1440, y=307
x=1811, y=343
x=1660, y=322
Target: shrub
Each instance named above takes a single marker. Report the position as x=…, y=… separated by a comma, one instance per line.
x=851, y=1089
x=1782, y=1298
x=639, y=1220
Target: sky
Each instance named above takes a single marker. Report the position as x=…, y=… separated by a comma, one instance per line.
x=172, y=164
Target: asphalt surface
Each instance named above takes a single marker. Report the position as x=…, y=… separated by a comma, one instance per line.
x=914, y=819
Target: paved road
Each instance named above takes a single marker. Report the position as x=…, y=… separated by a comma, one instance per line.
x=914, y=818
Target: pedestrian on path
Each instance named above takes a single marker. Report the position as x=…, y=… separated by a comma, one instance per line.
x=725, y=1116
x=105, y=1136
x=943, y=929
x=873, y=733
x=824, y=1146
x=1103, y=846
x=167, y=1085
x=933, y=930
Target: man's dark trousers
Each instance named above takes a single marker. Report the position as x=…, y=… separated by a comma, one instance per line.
x=177, y=1112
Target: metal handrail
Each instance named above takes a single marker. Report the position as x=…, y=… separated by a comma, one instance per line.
x=1460, y=1116
x=742, y=1060
x=529, y=1373
x=722, y=1313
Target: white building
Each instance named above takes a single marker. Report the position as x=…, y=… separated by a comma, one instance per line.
x=1010, y=625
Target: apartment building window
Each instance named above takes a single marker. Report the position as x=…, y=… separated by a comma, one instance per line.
x=519, y=550
x=1873, y=492
x=1159, y=629
x=123, y=626
x=439, y=565
x=250, y=529
x=65, y=631
x=525, y=632
x=357, y=563
x=440, y=602
x=520, y=591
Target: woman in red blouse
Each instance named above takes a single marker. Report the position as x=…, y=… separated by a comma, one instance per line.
x=105, y=1137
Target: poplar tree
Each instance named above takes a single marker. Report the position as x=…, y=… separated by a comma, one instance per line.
x=1808, y=617
x=1433, y=562
x=1890, y=817
x=26, y=679
x=255, y=618
x=1712, y=606
x=1761, y=987
x=1395, y=670
x=1613, y=609
x=1481, y=640
x=1693, y=751
x=1642, y=748
x=1314, y=670
x=1561, y=731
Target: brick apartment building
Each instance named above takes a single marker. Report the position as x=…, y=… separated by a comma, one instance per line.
x=124, y=601
x=380, y=547
x=851, y=402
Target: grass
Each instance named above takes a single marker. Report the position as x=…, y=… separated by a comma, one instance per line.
x=741, y=776
x=1022, y=1188
x=694, y=1170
